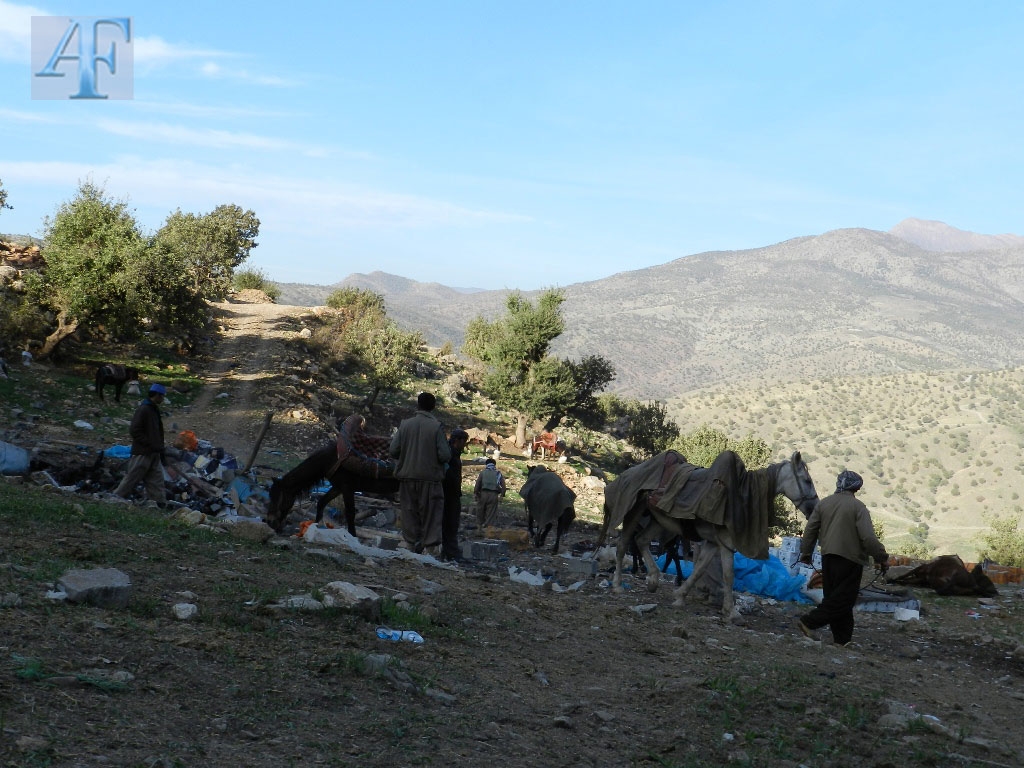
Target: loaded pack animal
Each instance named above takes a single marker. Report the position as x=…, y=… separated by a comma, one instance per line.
x=118, y=375
x=549, y=503
x=948, y=575
x=324, y=464
x=725, y=505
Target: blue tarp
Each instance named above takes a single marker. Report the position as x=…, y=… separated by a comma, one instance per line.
x=768, y=578
x=119, y=452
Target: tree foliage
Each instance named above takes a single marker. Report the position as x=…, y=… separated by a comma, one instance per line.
x=519, y=373
x=3, y=197
x=257, y=280
x=210, y=246
x=92, y=245
x=590, y=376
x=357, y=301
x=1004, y=542
x=650, y=430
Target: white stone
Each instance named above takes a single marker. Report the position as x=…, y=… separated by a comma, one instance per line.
x=185, y=611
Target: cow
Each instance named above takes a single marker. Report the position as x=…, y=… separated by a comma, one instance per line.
x=948, y=575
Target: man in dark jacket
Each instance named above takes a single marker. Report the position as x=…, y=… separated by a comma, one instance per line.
x=146, y=462
x=452, y=485
x=422, y=452
x=843, y=524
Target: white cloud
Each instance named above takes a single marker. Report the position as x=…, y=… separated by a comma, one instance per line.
x=204, y=137
x=215, y=71
x=27, y=117
x=16, y=30
x=288, y=204
x=155, y=51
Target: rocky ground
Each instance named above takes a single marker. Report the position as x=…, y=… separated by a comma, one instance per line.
x=508, y=672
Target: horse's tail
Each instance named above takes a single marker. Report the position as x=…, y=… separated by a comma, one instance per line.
x=604, y=528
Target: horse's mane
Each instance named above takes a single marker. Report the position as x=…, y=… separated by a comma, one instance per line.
x=312, y=469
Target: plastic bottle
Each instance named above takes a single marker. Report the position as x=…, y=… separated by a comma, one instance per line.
x=386, y=633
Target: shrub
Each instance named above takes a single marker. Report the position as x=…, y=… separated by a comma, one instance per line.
x=255, y=279
x=1004, y=542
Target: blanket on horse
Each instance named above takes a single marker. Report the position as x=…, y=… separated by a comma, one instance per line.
x=364, y=454
x=546, y=496
x=724, y=494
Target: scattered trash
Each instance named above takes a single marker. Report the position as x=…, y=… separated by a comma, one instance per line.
x=395, y=635
x=83, y=424
x=525, y=577
x=906, y=614
x=973, y=614
x=13, y=460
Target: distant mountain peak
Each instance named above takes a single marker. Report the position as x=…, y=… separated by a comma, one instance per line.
x=939, y=236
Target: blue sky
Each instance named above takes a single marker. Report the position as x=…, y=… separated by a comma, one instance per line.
x=529, y=144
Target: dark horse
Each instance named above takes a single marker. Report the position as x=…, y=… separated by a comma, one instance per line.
x=313, y=469
x=118, y=375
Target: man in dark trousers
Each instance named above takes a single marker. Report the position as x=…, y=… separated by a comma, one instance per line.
x=452, y=485
x=843, y=524
x=422, y=452
x=146, y=462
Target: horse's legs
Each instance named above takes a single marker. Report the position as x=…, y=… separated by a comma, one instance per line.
x=700, y=565
x=642, y=541
x=117, y=392
x=325, y=500
x=729, y=611
x=349, y=497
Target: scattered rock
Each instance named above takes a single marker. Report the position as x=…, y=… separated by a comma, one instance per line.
x=103, y=587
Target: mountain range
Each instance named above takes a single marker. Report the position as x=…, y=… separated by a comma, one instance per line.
x=924, y=296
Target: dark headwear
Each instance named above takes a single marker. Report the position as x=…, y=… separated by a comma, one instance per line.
x=490, y=461
x=157, y=389
x=426, y=401
x=459, y=434
x=848, y=481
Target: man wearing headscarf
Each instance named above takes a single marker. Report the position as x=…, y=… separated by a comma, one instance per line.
x=843, y=525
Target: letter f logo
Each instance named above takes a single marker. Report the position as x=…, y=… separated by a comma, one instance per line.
x=88, y=56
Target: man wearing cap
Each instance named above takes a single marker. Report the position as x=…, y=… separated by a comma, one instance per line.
x=146, y=462
x=490, y=486
x=422, y=451
x=843, y=524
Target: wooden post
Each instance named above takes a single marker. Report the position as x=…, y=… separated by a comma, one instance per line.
x=259, y=441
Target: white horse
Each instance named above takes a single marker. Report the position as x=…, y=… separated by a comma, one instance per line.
x=751, y=490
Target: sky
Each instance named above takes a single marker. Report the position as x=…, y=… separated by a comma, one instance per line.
x=530, y=144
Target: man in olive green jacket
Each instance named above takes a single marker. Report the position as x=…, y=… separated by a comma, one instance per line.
x=422, y=451
x=843, y=525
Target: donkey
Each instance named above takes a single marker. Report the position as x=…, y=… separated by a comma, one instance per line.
x=118, y=375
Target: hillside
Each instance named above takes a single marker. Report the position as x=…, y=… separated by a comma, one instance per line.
x=848, y=302
x=268, y=674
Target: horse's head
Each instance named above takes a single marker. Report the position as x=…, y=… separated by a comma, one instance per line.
x=983, y=585
x=279, y=506
x=796, y=483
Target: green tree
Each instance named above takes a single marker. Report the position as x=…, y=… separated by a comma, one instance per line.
x=650, y=430
x=357, y=301
x=519, y=373
x=255, y=279
x=1004, y=542
x=90, y=247
x=590, y=376
x=210, y=246
x=3, y=197
x=388, y=353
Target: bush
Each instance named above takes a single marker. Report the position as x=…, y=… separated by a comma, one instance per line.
x=255, y=279
x=1004, y=543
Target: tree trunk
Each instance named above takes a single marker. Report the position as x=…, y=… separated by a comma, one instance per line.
x=520, y=430
x=372, y=399
x=64, y=329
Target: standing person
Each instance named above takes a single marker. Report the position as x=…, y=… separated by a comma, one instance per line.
x=843, y=524
x=452, y=485
x=490, y=486
x=146, y=462
x=422, y=452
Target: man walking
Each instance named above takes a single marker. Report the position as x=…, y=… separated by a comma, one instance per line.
x=146, y=462
x=843, y=524
x=490, y=486
x=422, y=452
x=452, y=485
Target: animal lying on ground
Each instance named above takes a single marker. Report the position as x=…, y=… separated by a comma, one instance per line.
x=948, y=575
x=319, y=466
x=725, y=505
x=549, y=502
x=118, y=375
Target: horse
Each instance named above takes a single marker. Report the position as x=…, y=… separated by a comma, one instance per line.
x=321, y=465
x=730, y=508
x=111, y=373
x=948, y=575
